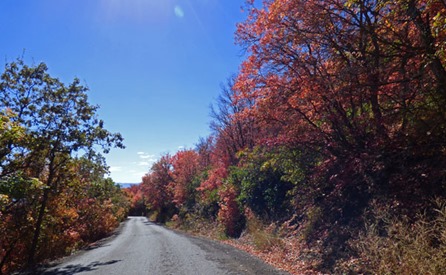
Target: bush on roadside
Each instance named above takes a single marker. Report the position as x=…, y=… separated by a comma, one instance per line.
x=398, y=246
x=263, y=237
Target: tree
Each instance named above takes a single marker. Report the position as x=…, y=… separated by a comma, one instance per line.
x=185, y=165
x=59, y=122
x=233, y=133
x=359, y=85
x=266, y=178
x=204, y=150
x=136, y=197
x=158, y=191
x=350, y=74
x=352, y=80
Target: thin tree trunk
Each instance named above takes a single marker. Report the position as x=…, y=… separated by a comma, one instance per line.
x=40, y=217
x=33, y=249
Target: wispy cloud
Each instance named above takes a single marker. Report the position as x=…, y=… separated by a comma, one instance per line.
x=146, y=159
x=115, y=168
x=147, y=156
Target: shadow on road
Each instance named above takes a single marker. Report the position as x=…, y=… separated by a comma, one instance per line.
x=95, y=246
x=152, y=223
x=73, y=269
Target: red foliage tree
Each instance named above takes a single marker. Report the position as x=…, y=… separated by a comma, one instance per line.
x=157, y=186
x=185, y=165
x=136, y=197
x=229, y=213
x=359, y=86
x=351, y=80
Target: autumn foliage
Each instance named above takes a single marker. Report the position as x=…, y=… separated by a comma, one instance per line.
x=339, y=109
x=53, y=194
x=329, y=140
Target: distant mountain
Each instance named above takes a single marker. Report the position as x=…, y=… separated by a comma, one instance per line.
x=125, y=185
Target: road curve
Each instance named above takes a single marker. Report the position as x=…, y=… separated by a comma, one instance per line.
x=142, y=247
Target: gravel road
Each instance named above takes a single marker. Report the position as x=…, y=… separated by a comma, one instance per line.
x=142, y=247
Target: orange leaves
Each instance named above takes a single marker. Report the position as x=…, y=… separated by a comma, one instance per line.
x=185, y=168
x=157, y=184
x=215, y=178
x=80, y=212
x=334, y=66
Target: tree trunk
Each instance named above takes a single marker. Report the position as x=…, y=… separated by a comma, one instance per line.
x=40, y=217
x=33, y=249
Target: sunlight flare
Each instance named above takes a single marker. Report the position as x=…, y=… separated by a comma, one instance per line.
x=178, y=11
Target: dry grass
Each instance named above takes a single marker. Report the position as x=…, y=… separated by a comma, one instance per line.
x=403, y=247
x=196, y=225
x=289, y=256
x=264, y=238
x=275, y=244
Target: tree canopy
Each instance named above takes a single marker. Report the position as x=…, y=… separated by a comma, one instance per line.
x=50, y=163
x=338, y=110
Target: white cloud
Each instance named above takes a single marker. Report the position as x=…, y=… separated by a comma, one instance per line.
x=145, y=159
x=147, y=156
x=115, y=168
x=180, y=147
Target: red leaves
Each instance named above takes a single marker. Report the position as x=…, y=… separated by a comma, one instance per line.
x=338, y=68
x=185, y=168
x=229, y=213
x=157, y=184
x=215, y=178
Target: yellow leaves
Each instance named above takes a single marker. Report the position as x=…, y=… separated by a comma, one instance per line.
x=439, y=32
x=36, y=184
x=4, y=199
x=9, y=130
x=350, y=3
x=70, y=214
x=439, y=20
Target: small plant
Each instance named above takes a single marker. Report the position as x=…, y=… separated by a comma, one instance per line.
x=263, y=238
x=153, y=215
x=314, y=215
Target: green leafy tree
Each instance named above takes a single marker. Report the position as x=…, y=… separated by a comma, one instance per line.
x=59, y=123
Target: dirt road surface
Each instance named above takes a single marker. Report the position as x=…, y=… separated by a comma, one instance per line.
x=141, y=247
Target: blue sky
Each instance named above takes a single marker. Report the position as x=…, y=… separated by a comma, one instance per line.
x=153, y=66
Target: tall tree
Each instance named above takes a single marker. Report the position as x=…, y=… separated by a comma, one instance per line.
x=232, y=132
x=59, y=123
x=348, y=79
x=350, y=72
x=185, y=164
x=359, y=85
x=158, y=190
